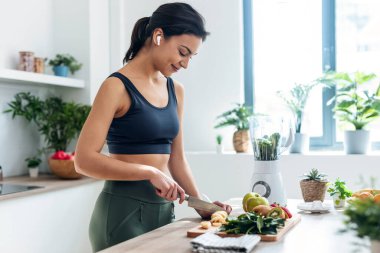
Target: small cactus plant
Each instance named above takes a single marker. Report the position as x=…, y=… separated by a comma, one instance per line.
x=313, y=186
x=315, y=176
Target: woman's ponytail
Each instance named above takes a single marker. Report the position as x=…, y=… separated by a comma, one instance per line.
x=139, y=35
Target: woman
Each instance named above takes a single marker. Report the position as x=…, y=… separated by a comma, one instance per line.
x=139, y=110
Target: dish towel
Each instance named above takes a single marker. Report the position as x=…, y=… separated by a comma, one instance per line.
x=210, y=242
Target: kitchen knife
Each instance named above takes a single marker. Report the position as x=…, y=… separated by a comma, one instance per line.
x=202, y=205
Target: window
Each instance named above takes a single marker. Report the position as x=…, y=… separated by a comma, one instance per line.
x=358, y=43
x=294, y=41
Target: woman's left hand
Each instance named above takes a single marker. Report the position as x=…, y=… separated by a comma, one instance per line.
x=207, y=215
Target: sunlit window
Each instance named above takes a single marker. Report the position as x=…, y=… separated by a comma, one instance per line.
x=287, y=41
x=358, y=43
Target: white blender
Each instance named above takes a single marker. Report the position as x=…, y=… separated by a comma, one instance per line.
x=270, y=136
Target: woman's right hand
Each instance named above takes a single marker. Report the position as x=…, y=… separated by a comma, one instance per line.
x=166, y=187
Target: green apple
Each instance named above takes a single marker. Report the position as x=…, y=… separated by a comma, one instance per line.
x=248, y=196
x=256, y=201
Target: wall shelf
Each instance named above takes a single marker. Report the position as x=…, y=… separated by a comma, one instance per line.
x=17, y=76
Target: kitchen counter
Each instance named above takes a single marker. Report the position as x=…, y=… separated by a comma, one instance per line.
x=315, y=233
x=48, y=183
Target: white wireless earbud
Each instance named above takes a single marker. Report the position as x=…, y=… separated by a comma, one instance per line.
x=158, y=40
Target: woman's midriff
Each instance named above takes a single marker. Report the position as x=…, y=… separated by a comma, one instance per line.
x=159, y=161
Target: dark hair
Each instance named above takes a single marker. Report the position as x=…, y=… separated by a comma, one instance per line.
x=173, y=19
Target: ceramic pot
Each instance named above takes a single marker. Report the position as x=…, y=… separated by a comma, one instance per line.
x=356, y=141
x=241, y=141
x=301, y=143
x=219, y=149
x=61, y=70
x=33, y=172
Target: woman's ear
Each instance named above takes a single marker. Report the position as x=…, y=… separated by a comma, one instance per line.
x=157, y=36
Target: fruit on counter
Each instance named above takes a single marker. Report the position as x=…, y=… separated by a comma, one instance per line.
x=367, y=193
x=217, y=219
x=205, y=224
x=276, y=212
x=62, y=155
x=377, y=198
x=253, y=199
x=262, y=210
x=288, y=214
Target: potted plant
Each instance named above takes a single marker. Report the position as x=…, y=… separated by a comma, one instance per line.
x=296, y=100
x=63, y=63
x=32, y=164
x=362, y=217
x=237, y=117
x=355, y=107
x=339, y=192
x=219, y=144
x=313, y=186
x=58, y=121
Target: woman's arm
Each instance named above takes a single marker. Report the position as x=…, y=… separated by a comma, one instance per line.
x=178, y=165
x=88, y=159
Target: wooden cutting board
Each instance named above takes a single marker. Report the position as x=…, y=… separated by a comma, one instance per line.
x=196, y=231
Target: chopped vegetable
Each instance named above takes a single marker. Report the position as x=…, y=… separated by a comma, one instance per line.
x=252, y=223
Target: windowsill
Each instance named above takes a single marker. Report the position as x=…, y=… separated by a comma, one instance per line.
x=310, y=153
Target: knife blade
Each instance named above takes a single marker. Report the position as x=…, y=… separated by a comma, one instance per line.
x=202, y=205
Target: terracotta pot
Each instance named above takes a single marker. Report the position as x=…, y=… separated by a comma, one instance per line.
x=313, y=190
x=241, y=141
x=64, y=168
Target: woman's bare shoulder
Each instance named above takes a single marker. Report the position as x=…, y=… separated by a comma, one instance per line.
x=179, y=88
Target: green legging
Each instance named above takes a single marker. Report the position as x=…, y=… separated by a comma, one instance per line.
x=126, y=209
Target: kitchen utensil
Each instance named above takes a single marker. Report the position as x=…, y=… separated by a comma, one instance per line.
x=202, y=205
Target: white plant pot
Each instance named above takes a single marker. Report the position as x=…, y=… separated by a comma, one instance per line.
x=33, y=172
x=267, y=181
x=375, y=246
x=301, y=143
x=338, y=202
x=219, y=148
x=356, y=141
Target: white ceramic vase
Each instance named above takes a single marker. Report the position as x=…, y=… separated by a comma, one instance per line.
x=356, y=141
x=301, y=143
x=33, y=172
x=219, y=148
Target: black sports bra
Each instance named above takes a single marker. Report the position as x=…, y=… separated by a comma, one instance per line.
x=145, y=128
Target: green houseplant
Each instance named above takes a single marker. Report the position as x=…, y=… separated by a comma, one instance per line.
x=362, y=217
x=296, y=100
x=64, y=62
x=313, y=186
x=237, y=117
x=57, y=121
x=339, y=192
x=32, y=163
x=219, y=144
x=355, y=107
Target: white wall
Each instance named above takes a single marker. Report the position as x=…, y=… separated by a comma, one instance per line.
x=46, y=27
x=49, y=222
x=214, y=79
